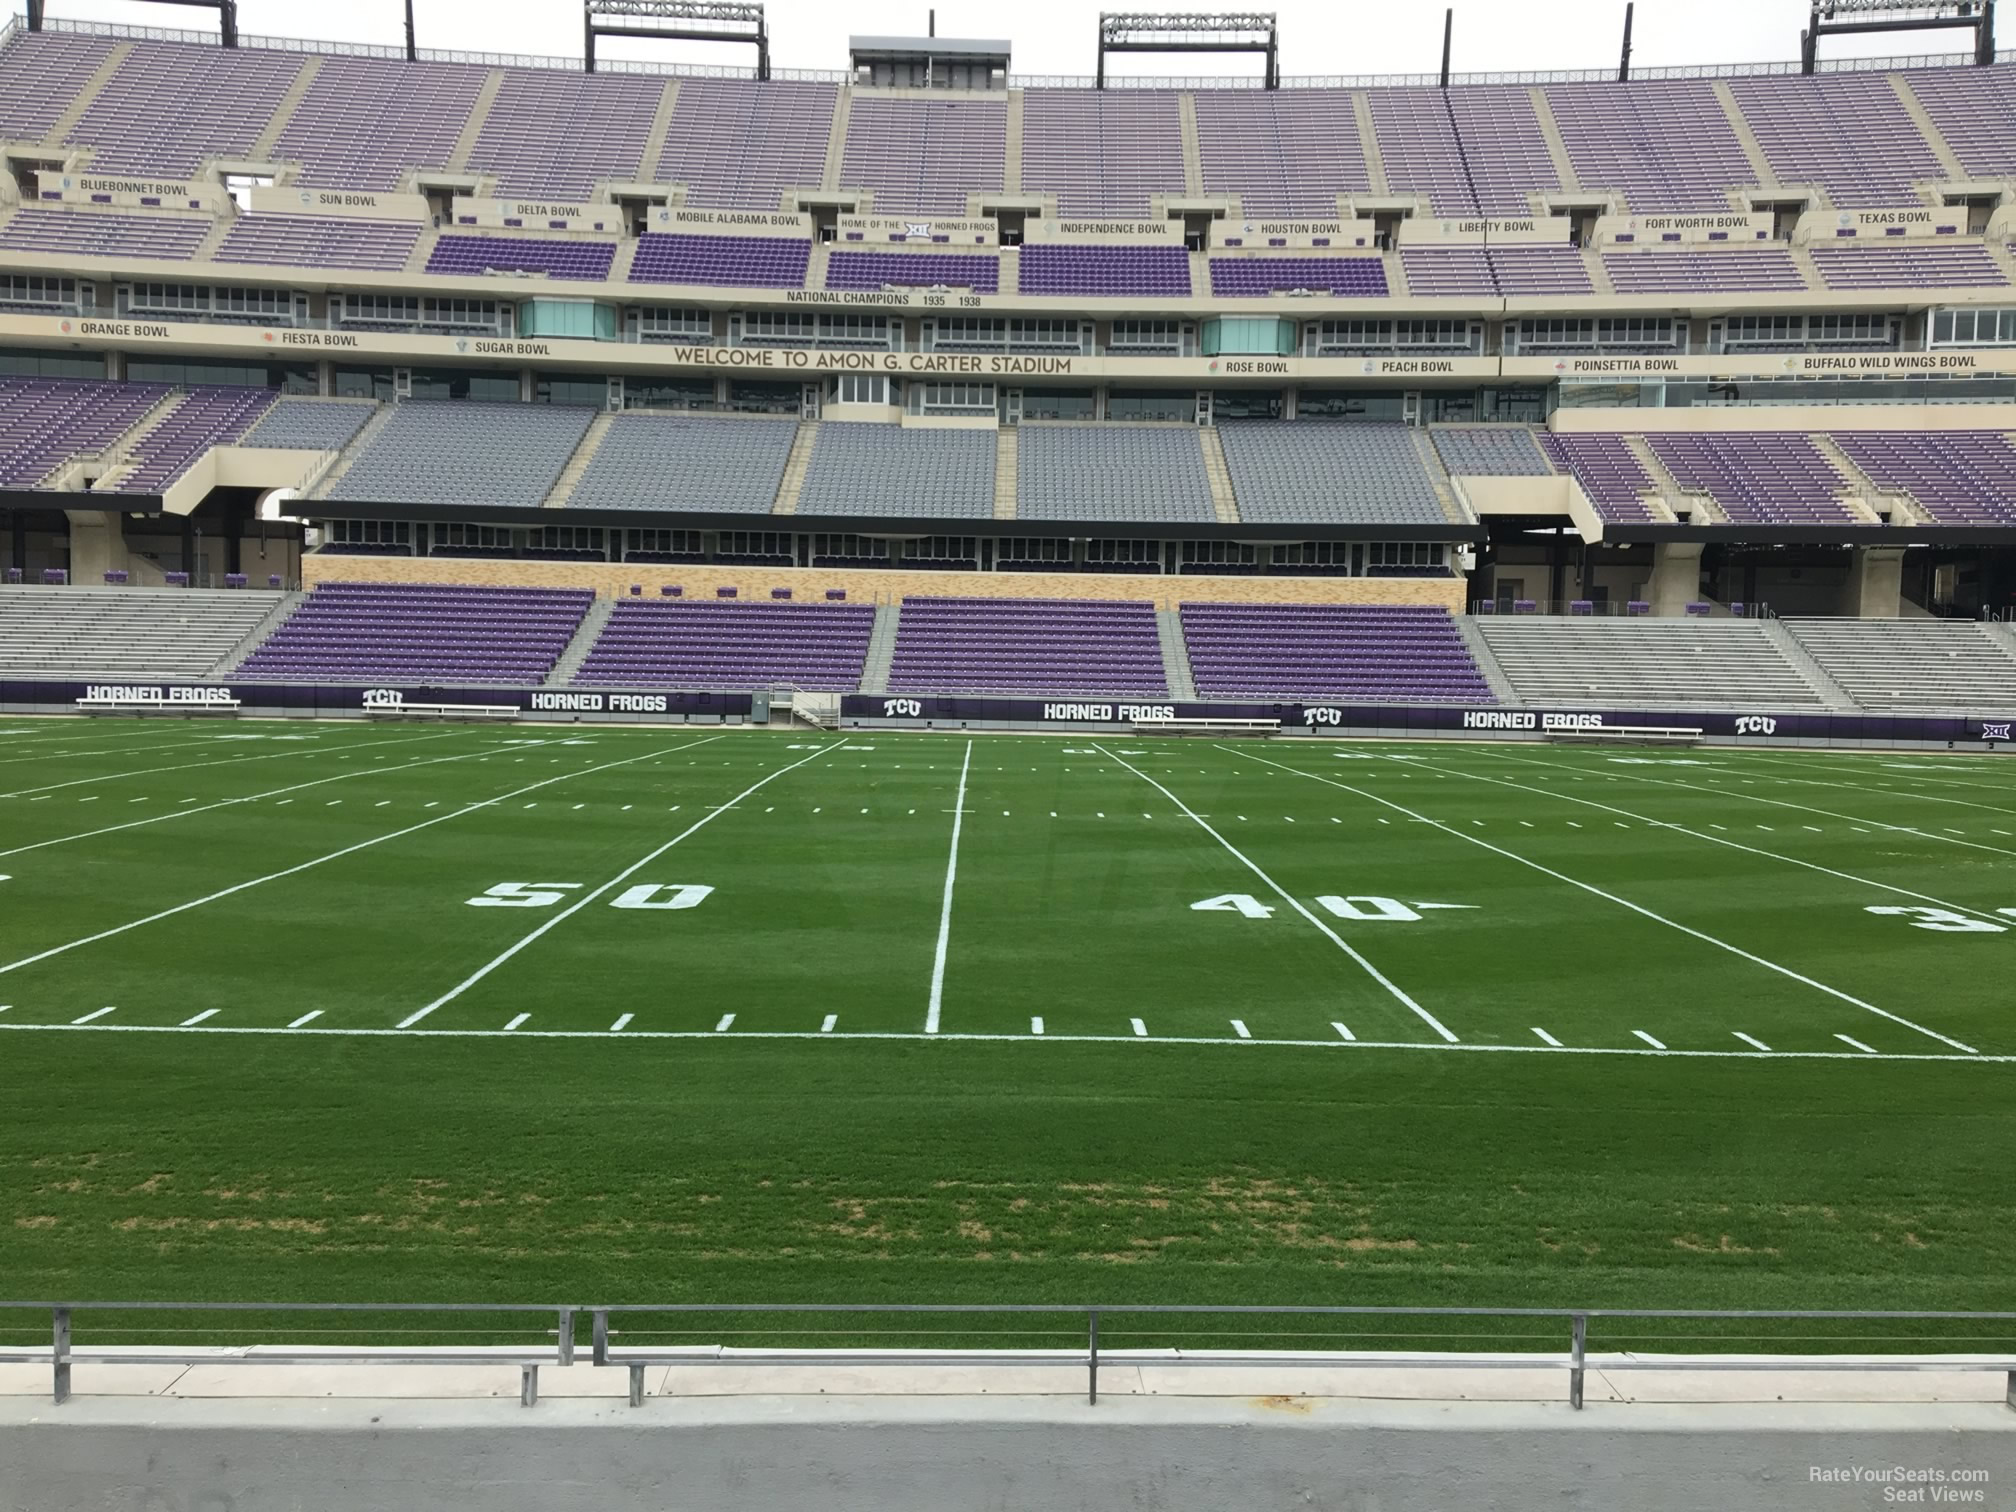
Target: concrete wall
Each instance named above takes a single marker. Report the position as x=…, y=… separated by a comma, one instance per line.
x=870, y=586
x=921, y=1454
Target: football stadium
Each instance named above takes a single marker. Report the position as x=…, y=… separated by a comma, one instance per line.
x=1197, y=757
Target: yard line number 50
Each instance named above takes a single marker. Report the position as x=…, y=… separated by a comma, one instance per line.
x=658, y=895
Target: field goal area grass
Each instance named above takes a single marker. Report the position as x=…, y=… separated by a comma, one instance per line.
x=915, y=1016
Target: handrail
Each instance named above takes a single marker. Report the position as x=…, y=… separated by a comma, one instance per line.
x=63, y=1355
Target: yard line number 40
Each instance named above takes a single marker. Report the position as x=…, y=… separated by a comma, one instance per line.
x=659, y=895
x=1361, y=907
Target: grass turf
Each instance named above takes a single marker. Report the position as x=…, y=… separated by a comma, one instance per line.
x=1181, y=1163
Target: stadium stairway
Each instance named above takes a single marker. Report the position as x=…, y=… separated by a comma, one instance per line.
x=584, y=454
x=222, y=227
x=359, y=444
x=1480, y=653
x=1862, y=495
x=1224, y=500
x=113, y=457
x=262, y=148
x=1831, y=692
x=796, y=466
x=1438, y=477
x=1550, y=129
x=1670, y=498
x=1802, y=259
x=1368, y=137
x=1007, y=464
x=1175, y=655
x=1009, y=279
x=1752, y=148
x=479, y=117
x=585, y=635
x=1193, y=154
x=1011, y=160
x=836, y=139
x=1599, y=273
x=881, y=648
x=115, y=59
x=1941, y=148
x=661, y=126
x=284, y=605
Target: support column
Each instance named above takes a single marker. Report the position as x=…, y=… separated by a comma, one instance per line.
x=1875, y=582
x=1676, y=576
x=97, y=544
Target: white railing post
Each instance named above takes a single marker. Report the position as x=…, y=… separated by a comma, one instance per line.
x=1092, y=1361
x=1578, y=1347
x=59, y=1353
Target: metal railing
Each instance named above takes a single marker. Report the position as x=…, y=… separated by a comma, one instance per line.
x=1091, y=1323
x=1016, y=81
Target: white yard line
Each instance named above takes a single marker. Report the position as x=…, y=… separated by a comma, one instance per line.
x=1655, y=1044
x=1548, y=1038
x=614, y=882
x=94, y=749
x=516, y=1020
x=190, y=1023
x=622, y=1019
x=727, y=1021
x=1457, y=1048
x=1035, y=1027
x=826, y=1024
x=1637, y=908
x=1140, y=1028
x=1239, y=1028
x=1752, y=1040
x=1776, y=761
x=1286, y=897
x=97, y=1013
x=306, y=1019
x=183, y=813
x=934, y=1011
x=336, y=855
x=1682, y=829
x=1804, y=808
x=190, y=766
x=1865, y=1049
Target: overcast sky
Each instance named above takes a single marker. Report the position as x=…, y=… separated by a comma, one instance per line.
x=1059, y=36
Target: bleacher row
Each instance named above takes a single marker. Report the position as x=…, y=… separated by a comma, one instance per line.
x=362, y=122
x=379, y=633
x=511, y=457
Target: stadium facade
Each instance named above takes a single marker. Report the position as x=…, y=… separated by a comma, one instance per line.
x=1488, y=394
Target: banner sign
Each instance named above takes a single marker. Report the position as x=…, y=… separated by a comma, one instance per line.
x=646, y=704
x=296, y=698
x=1392, y=719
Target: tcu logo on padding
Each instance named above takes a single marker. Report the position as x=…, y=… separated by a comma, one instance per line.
x=1322, y=716
x=383, y=698
x=903, y=707
x=1756, y=724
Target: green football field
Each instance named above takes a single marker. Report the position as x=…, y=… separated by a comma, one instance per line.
x=313, y=1011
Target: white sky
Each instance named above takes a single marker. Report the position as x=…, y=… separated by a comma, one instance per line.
x=1059, y=36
